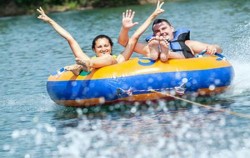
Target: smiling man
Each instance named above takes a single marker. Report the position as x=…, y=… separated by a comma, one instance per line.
x=166, y=42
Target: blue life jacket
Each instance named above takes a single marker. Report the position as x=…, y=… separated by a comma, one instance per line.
x=178, y=43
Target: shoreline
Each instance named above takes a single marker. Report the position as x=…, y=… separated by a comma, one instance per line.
x=12, y=9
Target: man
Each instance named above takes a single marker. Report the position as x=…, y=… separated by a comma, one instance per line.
x=165, y=42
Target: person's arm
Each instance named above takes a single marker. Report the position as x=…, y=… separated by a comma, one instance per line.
x=127, y=24
x=76, y=49
x=135, y=37
x=198, y=47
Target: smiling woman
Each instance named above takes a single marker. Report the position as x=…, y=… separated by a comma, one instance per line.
x=102, y=45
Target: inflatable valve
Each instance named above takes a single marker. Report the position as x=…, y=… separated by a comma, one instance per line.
x=121, y=92
x=59, y=72
x=180, y=89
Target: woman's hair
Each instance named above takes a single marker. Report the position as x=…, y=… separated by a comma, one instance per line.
x=101, y=36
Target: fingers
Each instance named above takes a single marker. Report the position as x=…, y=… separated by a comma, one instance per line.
x=42, y=15
x=129, y=14
x=159, y=4
x=211, y=50
x=126, y=14
x=40, y=10
x=158, y=9
x=123, y=15
x=127, y=20
x=135, y=23
x=133, y=14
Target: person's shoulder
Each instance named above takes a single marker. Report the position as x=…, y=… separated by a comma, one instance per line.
x=183, y=29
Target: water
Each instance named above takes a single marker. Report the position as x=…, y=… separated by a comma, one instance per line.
x=33, y=126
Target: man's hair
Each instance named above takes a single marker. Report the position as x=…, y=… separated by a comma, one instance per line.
x=157, y=21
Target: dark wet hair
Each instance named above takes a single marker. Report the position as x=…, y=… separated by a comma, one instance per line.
x=101, y=36
x=157, y=21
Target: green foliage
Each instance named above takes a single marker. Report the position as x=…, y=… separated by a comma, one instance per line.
x=113, y=3
x=35, y=2
x=96, y=3
x=17, y=7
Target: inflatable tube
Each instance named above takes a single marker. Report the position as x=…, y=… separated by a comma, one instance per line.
x=135, y=79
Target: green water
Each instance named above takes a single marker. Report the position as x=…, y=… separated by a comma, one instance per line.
x=34, y=126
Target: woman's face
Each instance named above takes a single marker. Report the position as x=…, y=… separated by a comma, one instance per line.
x=102, y=46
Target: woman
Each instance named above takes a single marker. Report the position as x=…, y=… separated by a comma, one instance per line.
x=102, y=45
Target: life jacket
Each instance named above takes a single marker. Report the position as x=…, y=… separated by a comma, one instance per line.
x=178, y=43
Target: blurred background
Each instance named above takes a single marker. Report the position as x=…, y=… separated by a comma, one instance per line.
x=20, y=7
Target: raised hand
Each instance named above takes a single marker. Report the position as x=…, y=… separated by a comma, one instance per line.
x=42, y=15
x=127, y=19
x=158, y=9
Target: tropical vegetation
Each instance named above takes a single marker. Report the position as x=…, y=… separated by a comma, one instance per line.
x=17, y=7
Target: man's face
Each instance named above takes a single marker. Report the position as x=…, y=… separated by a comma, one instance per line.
x=164, y=29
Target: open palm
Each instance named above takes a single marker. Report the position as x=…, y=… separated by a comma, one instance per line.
x=127, y=20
